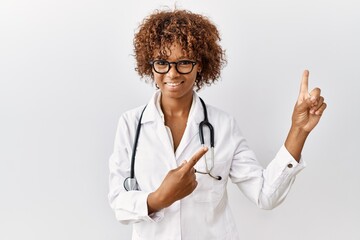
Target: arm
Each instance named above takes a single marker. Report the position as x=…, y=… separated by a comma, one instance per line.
x=267, y=188
x=306, y=115
x=128, y=206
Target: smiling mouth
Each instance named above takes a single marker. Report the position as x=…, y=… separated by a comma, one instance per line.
x=173, y=84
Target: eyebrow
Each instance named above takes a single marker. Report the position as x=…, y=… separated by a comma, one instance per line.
x=177, y=59
x=182, y=57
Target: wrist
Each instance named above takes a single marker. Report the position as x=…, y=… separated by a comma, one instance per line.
x=295, y=141
x=298, y=132
x=155, y=202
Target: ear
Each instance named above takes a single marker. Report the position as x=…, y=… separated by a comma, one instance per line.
x=199, y=68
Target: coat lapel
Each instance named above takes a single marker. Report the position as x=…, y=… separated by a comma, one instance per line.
x=152, y=117
x=192, y=127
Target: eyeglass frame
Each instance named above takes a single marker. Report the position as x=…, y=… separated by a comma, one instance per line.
x=193, y=63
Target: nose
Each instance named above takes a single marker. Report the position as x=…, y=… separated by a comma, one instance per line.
x=173, y=72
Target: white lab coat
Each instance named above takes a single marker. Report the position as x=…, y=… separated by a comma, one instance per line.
x=205, y=213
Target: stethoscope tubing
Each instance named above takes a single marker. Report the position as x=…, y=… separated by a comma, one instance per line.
x=137, y=134
x=206, y=122
x=130, y=182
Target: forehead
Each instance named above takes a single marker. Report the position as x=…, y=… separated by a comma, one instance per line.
x=171, y=53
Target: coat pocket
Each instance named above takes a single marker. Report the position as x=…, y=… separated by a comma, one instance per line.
x=210, y=189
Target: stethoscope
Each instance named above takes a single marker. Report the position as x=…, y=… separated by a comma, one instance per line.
x=130, y=183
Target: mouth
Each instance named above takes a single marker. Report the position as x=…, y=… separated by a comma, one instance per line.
x=174, y=84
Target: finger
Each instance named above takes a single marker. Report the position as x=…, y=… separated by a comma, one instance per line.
x=315, y=98
x=304, y=92
x=181, y=165
x=194, y=159
x=315, y=92
x=319, y=102
x=322, y=108
x=193, y=176
x=194, y=185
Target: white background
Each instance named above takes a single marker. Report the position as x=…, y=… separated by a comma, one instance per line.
x=67, y=74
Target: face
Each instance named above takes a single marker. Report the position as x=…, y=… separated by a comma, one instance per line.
x=174, y=84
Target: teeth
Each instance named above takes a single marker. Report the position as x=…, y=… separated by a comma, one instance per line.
x=173, y=84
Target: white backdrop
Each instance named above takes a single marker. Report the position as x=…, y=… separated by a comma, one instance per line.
x=67, y=73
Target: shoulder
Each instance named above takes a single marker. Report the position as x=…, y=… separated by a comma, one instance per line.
x=219, y=114
x=128, y=122
x=129, y=119
x=148, y=111
x=132, y=114
x=223, y=120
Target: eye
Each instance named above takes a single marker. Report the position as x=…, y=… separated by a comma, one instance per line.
x=161, y=62
x=185, y=62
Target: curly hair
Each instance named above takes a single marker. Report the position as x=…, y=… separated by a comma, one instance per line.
x=196, y=34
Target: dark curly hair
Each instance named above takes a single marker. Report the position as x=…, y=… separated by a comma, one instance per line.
x=196, y=35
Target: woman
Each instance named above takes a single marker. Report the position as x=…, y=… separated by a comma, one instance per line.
x=169, y=198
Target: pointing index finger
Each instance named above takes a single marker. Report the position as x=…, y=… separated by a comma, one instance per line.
x=195, y=158
x=304, y=84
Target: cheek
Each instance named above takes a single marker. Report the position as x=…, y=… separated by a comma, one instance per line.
x=192, y=77
x=157, y=77
x=158, y=80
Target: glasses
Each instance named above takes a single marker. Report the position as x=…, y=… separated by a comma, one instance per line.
x=182, y=66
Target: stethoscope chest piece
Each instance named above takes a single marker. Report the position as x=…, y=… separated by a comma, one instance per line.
x=130, y=184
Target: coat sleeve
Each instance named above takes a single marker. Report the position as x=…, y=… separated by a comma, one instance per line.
x=268, y=187
x=129, y=206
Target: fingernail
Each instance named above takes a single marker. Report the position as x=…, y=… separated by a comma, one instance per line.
x=205, y=148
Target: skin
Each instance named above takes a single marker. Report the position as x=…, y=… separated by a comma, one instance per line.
x=176, y=102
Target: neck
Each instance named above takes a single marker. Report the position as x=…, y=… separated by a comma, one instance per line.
x=172, y=107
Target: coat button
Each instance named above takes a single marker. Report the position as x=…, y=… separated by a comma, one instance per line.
x=290, y=165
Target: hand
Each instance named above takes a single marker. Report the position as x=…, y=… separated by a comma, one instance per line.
x=307, y=113
x=309, y=106
x=177, y=184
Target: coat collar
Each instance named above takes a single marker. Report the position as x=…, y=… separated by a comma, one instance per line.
x=152, y=115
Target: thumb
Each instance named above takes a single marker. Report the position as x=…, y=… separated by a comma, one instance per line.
x=182, y=164
x=304, y=105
